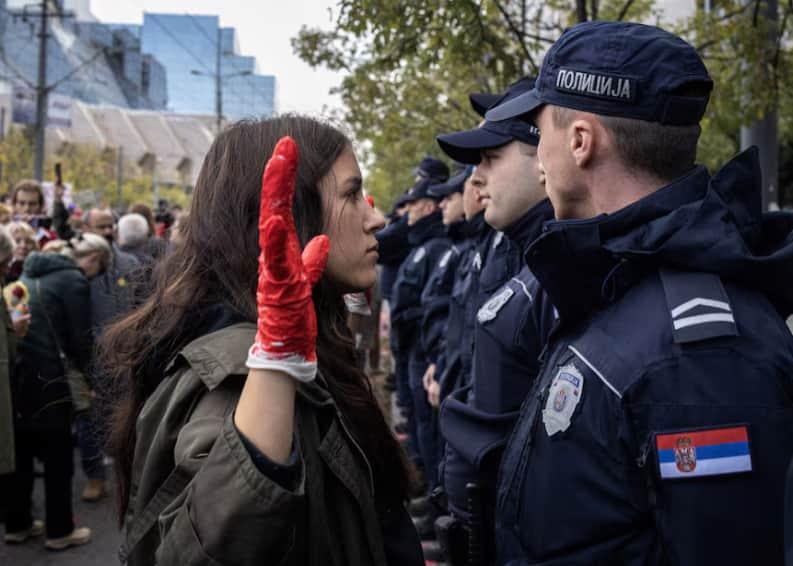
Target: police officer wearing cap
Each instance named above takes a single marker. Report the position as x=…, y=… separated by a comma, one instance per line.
x=436, y=296
x=429, y=241
x=661, y=424
x=496, y=259
x=511, y=326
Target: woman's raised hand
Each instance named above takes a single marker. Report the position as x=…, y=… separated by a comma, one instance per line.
x=287, y=324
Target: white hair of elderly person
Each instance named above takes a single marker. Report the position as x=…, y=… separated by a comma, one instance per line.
x=133, y=230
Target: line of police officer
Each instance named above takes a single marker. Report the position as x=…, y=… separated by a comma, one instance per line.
x=604, y=377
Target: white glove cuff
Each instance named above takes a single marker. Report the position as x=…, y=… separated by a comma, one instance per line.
x=356, y=303
x=293, y=365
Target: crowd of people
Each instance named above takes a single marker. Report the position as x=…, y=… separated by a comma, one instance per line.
x=65, y=276
x=589, y=356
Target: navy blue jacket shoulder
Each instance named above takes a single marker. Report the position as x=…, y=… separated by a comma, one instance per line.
x=661, y=425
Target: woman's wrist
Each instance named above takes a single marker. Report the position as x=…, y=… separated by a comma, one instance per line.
x=265, y=412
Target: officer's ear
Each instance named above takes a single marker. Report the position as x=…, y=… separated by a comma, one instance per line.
x=582, y=141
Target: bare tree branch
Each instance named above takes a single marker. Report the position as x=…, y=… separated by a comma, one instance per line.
x=624, y=10
x=516, y=32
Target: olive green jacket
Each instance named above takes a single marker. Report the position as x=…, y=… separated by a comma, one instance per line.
x=7, y=353
x=230, y=512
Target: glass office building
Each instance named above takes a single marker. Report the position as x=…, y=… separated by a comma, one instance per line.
x=187, y=46
x=121, y=76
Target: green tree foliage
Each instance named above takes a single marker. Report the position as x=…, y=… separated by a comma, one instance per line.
x=410, y=65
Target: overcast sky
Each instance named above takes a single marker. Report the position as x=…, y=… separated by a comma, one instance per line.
x=264, y=28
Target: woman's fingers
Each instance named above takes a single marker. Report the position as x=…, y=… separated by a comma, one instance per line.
x=274, y=259
x=315, y=256
x=278, y=186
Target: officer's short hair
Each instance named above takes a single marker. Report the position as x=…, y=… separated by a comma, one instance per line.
x=662, y=150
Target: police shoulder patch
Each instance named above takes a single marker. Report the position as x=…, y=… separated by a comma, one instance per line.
x=420, y=253
x=490, y=309
x=563, y=397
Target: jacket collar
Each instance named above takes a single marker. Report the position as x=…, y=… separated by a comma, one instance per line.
x=220, y=354
x=526, y=228
x=431, y=226
x=457, y=231
x=576, y=262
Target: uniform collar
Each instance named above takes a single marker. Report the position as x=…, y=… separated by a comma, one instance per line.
x=429, y=227
x=457, y=231
x=576, y=261
x=526, y=228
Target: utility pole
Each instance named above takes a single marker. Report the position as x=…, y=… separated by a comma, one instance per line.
x=218, y=84
x=41, y=96
x=42, y=89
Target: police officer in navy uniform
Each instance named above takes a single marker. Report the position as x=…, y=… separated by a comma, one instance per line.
x=429, y=241
x=496, y=259
x=661, y=424
x=511, y=326
x=463, y=290
x=437, y=293
x=393, y=248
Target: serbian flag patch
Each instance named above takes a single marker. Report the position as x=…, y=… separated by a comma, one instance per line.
x=704, y=452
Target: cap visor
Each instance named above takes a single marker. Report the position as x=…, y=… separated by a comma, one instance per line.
x=465, y=146
x=455, y=184
x=441, y=191
x=481, y=101
x=523, y=104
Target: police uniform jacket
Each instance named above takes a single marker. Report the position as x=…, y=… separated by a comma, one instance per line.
x=429, y=241
x=393, y=248
x=437, y=293
x=511, y=331
x=661, y=424
x=497, y=261
x=458, y=330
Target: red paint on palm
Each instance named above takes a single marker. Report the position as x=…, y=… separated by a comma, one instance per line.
x=287, y=323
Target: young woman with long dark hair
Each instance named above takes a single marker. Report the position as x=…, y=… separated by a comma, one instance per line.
x=244, y=432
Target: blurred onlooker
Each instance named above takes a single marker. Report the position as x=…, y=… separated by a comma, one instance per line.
x=133, y=237
x=111, y=293
x=25, y=242
x=5, y=214
x=8, y=340
x=27, y=198
x=156, y=244
x=59, y=336
x=163, y=219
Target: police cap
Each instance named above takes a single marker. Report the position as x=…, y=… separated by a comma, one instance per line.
x=619, y=69
x=466, y=146
x=431, y=171
x=454, y=185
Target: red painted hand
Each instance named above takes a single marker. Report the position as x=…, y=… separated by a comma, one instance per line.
x=287, y=325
